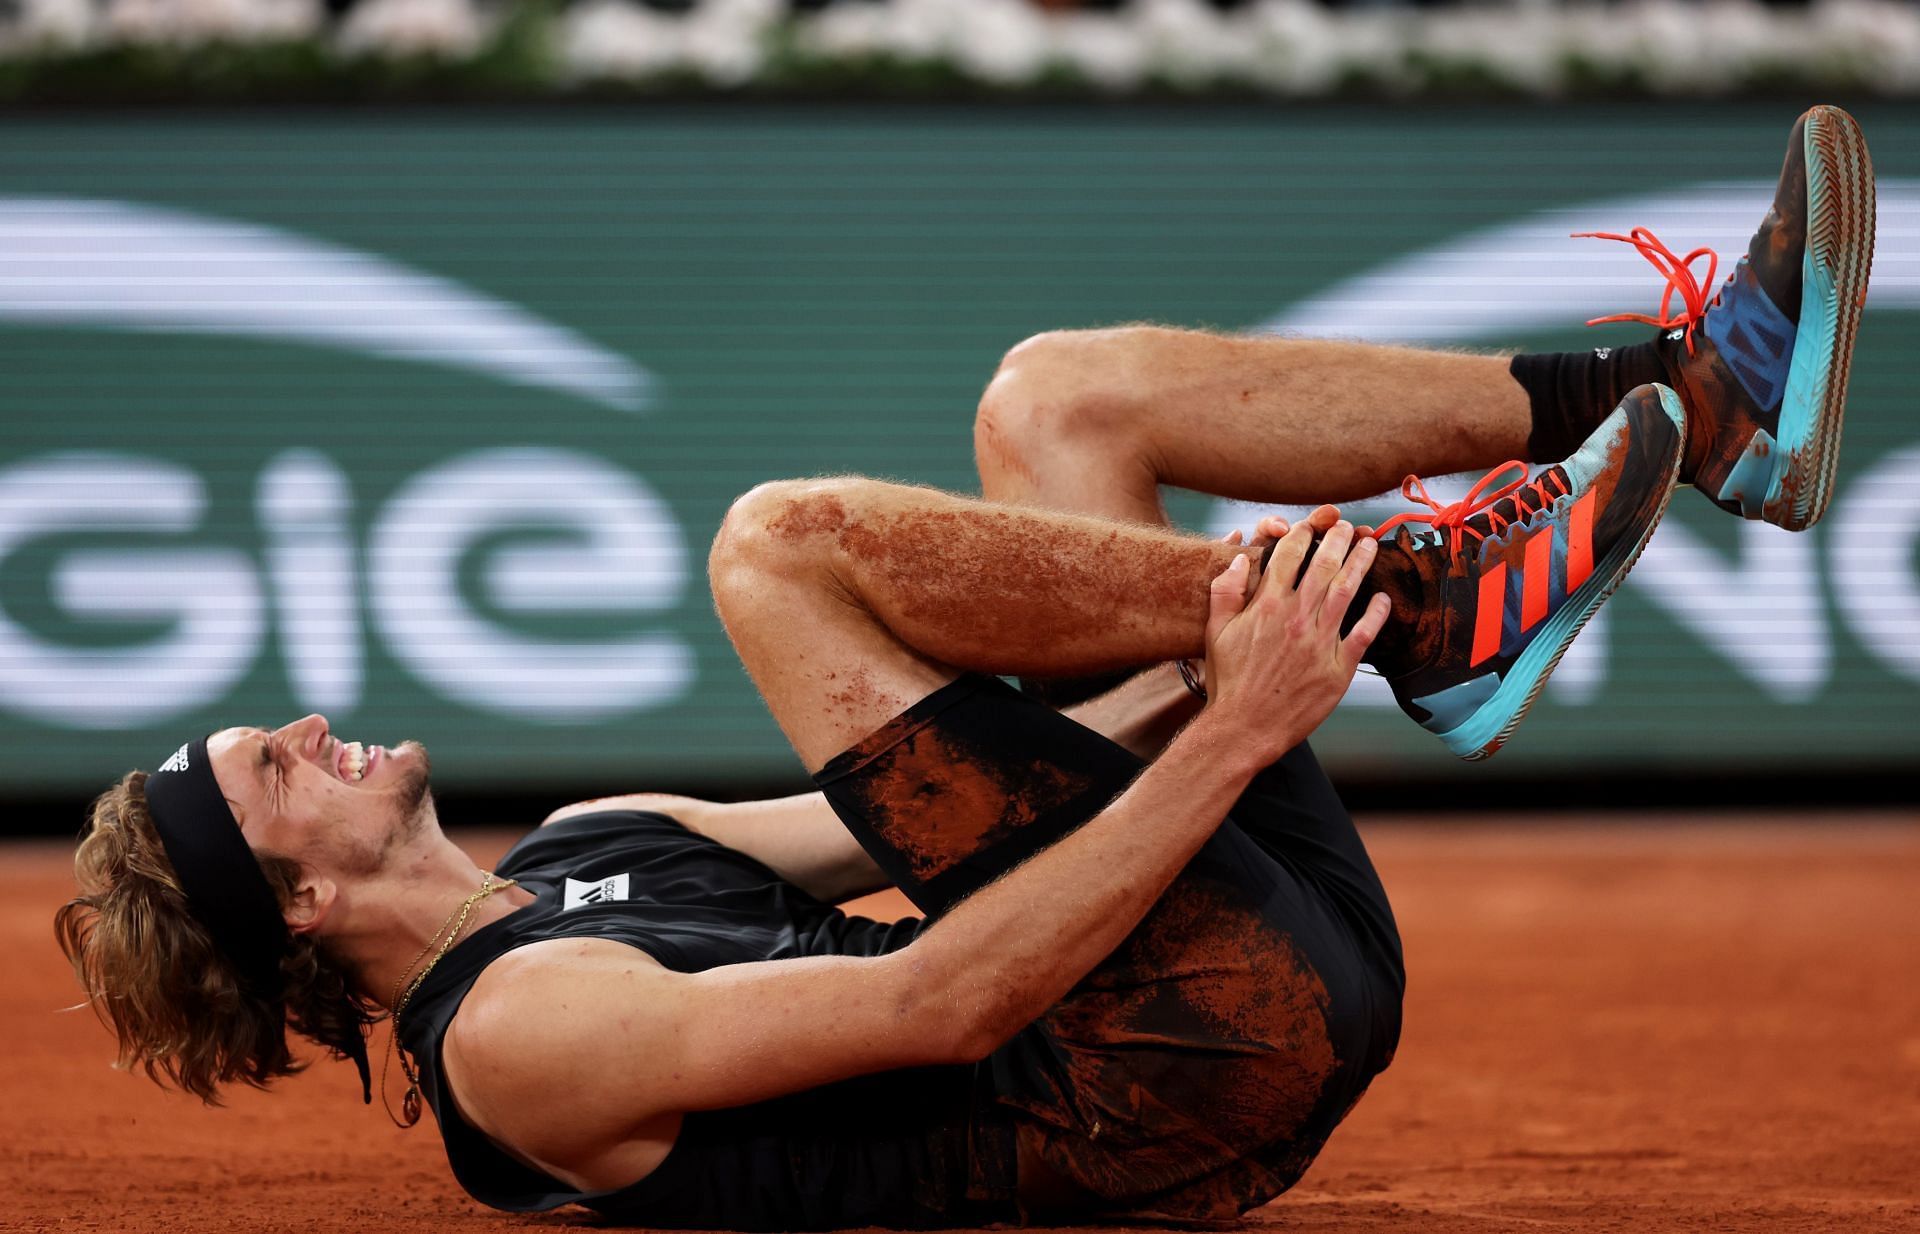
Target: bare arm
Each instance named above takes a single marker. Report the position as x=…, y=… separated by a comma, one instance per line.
x=633, y=1046
x=1142, y=713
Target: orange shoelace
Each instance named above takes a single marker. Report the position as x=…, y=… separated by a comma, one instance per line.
x=1693, y=295
x=1453, y=518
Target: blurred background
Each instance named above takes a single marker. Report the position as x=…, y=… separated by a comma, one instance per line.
x=396, y=360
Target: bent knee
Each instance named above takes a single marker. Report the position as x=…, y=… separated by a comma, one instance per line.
x=788, y=532
x=1062, y=388
x=774, y=530
x=780, y=509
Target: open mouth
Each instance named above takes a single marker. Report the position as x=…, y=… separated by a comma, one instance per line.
x=356, y=761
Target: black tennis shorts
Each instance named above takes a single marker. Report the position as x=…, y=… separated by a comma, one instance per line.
x=1200, y=1068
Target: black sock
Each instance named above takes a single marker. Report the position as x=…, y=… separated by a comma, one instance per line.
x=1572, y=392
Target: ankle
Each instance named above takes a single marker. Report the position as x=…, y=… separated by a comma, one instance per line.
x=1407, y=640
x=1570, y=394
x=1700, y=428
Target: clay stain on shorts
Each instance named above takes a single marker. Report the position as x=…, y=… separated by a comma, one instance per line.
x=1200, y=1050
x=937, y=804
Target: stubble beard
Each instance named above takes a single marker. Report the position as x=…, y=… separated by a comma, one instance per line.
x=413, y=799
x=415, y=792
x=409, y=808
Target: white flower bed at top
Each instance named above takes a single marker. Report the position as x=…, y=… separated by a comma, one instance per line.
x=1284, y=47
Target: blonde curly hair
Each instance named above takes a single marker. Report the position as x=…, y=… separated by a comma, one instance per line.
x=154, y=976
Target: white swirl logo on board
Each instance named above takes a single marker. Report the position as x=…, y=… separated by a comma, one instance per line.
x=122, y=266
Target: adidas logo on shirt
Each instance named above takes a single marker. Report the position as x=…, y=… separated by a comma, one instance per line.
x=176, y=763
x=609, y=890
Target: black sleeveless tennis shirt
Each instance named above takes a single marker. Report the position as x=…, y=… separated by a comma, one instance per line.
x=884, y=1150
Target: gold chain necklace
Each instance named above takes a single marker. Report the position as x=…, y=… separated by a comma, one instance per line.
x=457, y=920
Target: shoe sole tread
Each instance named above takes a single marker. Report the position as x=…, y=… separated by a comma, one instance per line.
x=1840, y=235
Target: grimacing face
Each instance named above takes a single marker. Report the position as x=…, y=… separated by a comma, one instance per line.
x=301, y=792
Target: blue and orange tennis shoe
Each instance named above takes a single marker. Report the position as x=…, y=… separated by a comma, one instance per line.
x=1489, y=591
x=1762, y=368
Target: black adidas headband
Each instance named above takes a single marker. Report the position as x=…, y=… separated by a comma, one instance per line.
x=226, y=890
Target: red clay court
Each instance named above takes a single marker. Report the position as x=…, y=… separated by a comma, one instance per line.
x=1659, y=1024
x=1652, y=1025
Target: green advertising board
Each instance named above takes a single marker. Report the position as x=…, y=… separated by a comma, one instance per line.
x=423, y=421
